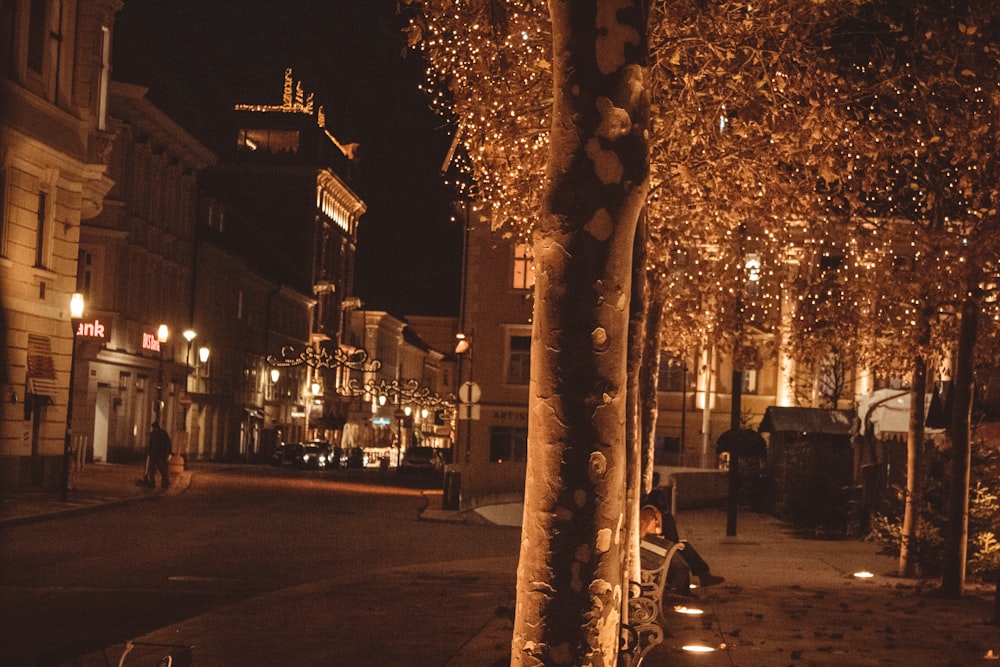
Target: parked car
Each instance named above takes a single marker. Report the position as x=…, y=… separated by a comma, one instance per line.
x=423, y=460
x=337, y=458
x=357, y=458
x=315, y=454
x=287, y=454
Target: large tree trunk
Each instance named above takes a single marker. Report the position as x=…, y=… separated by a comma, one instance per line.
x=649, y=377
x=910, y=532
x=571, y=570
x=957, y=533
x=636, y=485
x=912, y=503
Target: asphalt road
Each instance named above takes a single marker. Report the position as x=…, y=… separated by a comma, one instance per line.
x=236, y=533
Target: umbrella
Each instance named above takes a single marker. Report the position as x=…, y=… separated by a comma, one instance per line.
x=742, y=442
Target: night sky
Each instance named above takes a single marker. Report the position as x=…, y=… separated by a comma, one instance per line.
x=199, y=57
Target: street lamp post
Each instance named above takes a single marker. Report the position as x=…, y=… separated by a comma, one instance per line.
x=752, y=269
x=463, y=349
x=76, y=312
x=400, y=415
x=162, y=334
x=189, y=336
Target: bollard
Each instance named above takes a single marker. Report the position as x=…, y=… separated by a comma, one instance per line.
x=176, y=467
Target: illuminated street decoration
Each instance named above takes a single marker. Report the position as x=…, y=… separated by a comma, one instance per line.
x=296, y=101
x=356, y=360
x=299, y=103
x=401, y=392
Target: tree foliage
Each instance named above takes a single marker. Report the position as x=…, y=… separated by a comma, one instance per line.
x=846, y=147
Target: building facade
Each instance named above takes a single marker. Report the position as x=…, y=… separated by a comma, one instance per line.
x=493, y=365
x=408, y=399
x=136, y=275
x=55, y=145
x=695, y=392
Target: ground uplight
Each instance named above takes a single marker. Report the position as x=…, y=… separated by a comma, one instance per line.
x=691, y=611
x=864, y=574
x=698, y=648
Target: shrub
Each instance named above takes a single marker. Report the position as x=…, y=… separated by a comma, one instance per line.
x=984, y=517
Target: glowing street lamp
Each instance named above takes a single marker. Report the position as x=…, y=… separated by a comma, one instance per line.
x=189, y=336
x=75, y=313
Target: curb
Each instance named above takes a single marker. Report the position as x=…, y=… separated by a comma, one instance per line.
x=54, y=509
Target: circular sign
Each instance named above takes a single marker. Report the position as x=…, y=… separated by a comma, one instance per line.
x=469, y=392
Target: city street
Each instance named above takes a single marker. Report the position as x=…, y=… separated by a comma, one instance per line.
x=253, y=565
x=238, y=532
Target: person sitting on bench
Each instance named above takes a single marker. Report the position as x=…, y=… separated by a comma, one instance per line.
x=655, y=522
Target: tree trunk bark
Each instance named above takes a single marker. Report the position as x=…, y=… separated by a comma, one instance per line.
x=649, y=376
x=636, y=485
x=571, y=570
x=910, y=532
x=957, y=534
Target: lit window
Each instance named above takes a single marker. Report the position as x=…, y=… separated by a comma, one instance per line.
x=269, y=141
x=524, y=270
x=749, y=381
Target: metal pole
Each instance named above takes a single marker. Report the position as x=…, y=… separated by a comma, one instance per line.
x=682, y=453
x=67, y=443
x=734, y=458
x=159, y=386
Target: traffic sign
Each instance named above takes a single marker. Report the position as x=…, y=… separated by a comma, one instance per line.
x=468, y=411
x=469, y=392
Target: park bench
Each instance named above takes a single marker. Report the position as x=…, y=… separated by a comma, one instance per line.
x=647, y=621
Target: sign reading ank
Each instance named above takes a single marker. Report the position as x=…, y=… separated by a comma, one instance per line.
x=91, y=329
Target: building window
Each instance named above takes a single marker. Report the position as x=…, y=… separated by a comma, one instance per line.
x=84, y=273
x=518, y=359
x=890, y=381
x=749, y=381
x=524, y=269
x=672, y=372
x=268, y=141
x=7, y=36
x=36, y=35
x=40, y=230
x=508, y=443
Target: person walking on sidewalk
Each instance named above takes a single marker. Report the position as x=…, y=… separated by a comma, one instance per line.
x=159, y=456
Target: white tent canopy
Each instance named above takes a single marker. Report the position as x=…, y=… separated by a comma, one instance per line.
x=890, y=411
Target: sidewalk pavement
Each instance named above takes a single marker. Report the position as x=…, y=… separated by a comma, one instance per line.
x=786, y=600
x=99, y=485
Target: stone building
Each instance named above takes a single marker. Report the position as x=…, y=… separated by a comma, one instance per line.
x=136, y=274
x=55, y=144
